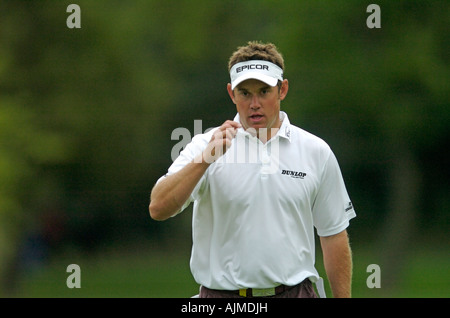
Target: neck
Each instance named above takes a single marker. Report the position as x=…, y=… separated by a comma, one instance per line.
x=265, y=134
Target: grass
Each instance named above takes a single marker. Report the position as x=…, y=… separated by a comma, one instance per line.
x=425, y=274
x=167, y=275
x=114, y=276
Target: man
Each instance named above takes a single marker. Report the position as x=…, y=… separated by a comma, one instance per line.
x=260, y=186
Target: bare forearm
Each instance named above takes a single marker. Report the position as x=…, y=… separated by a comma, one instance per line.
x=338, y=264
x=169, y=195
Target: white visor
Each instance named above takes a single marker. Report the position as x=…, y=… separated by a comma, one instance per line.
x=264, y=71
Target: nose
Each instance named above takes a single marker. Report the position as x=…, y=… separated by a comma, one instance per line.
x=255, y=102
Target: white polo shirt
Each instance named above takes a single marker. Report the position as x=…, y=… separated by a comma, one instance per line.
x=256, y=207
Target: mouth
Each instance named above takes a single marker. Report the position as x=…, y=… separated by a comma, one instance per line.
x=256, y=118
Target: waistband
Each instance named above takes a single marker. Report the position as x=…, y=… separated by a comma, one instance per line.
x=262, y=292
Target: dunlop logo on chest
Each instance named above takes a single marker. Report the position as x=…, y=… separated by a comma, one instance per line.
x=294, y=174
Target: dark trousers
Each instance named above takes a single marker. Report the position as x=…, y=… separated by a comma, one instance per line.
x=303, y=290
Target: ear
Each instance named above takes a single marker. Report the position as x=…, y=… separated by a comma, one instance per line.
x=284, y=89
x=230, y=92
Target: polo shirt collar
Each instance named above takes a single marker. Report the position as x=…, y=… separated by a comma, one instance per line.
x=285, y=128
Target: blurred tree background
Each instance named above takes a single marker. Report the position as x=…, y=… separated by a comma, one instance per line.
x=86, y=117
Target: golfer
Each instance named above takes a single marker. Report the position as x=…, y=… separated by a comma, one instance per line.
x=260, y=187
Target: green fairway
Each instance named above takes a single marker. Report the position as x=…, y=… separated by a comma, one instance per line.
x=114, y=276
x=162, y=275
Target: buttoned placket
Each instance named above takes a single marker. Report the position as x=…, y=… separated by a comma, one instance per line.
x=265, y=153
x=265, y=160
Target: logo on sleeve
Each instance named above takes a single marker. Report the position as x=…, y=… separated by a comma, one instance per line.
x=294, y=174
x=349, y=207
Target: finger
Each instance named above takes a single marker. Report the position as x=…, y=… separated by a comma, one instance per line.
x=230, y=124
x=230, y=133
x=235, y=124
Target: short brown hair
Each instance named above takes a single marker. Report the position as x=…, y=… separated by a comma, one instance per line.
x=255, y=50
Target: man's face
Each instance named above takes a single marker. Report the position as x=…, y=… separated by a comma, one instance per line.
x=258, y=104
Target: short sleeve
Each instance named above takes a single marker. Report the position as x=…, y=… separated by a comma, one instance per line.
x=332, y=208
x=187, y=155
